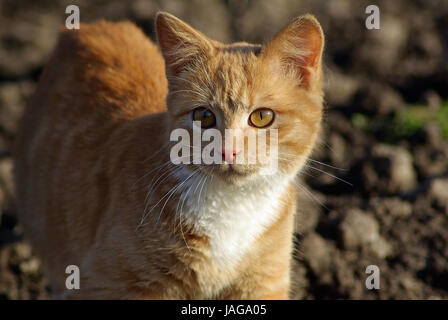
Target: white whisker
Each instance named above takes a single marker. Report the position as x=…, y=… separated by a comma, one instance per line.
x=329, y=174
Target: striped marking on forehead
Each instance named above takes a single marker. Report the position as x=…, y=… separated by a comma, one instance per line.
x=232, y=75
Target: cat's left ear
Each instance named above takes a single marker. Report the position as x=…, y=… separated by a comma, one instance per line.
x=297, y=50
x=180, y=43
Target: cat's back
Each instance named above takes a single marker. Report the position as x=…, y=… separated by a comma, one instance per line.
x=98, y=77
x=98, y=80
x=108, y=68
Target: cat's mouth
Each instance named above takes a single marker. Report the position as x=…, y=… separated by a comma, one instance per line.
x=232, y=172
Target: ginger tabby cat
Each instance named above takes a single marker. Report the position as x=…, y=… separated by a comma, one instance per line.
x=95, y=184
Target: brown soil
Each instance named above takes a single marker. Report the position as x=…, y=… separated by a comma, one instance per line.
x=392, y=209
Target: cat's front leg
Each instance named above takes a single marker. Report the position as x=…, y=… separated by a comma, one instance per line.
x=266, y=289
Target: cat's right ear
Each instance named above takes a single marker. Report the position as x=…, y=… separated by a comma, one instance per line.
x=180, y=43
x=297, y=51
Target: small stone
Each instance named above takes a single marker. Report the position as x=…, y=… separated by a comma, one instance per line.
x=30, y=266
x=23, y=251
x=432, y=99
x=340, y=88
x=317, y=253
x=410, y=283
x=383, y=48
x=11, y=106
x=32, y=36
x=358, y=228
x=438, y=191
x=381, y=248
x=6, y=178
x=398, y=208
x=394, y=168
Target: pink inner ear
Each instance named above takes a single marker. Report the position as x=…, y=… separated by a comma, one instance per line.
x=313, y=44
x=308, y=40
x=299, y=46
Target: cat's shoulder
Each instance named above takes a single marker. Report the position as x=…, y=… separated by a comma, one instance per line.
x=104, y=41
x=113, y=62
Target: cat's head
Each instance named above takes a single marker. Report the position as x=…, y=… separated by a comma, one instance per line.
x=248, y=88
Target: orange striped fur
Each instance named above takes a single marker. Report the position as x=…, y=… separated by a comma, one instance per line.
x=92, y=161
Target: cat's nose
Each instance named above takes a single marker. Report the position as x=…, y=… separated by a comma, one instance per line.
x=229, y=155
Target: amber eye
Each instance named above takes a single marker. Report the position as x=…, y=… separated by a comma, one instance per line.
x=261, y=118
x=204, y=115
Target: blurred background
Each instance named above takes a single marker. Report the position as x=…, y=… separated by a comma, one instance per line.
x=385, y=133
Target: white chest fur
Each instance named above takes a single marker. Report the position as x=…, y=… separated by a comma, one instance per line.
x=232, y=217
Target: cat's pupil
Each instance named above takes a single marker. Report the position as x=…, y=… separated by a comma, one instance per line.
x=205, y=116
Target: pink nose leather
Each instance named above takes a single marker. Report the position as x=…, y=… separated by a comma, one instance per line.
x=228, y=155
